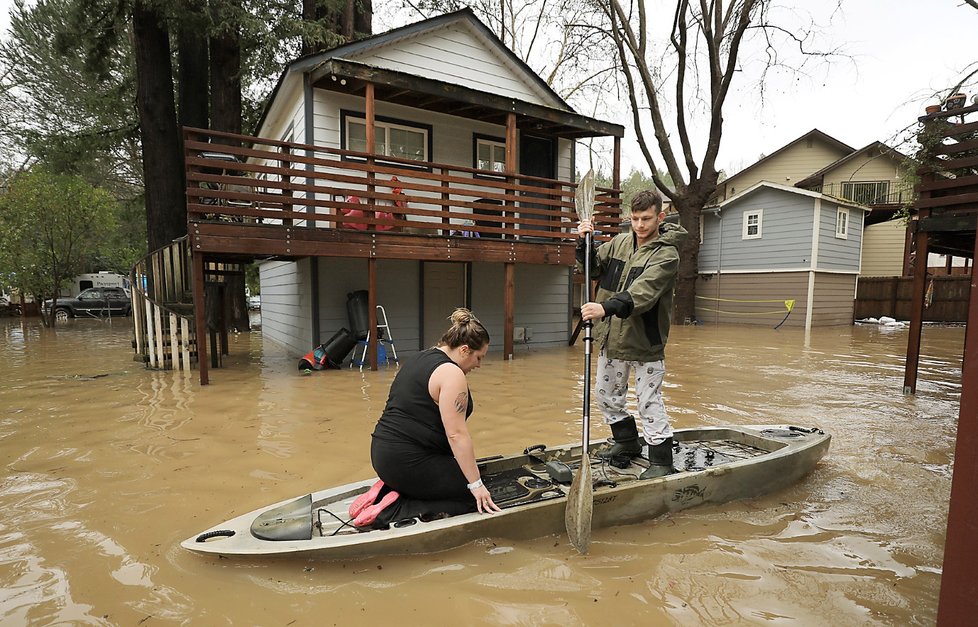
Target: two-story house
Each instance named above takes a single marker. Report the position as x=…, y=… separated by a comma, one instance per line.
x=428, y=165
x=786, y=240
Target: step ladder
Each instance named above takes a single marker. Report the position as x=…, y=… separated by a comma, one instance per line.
x=383, y=338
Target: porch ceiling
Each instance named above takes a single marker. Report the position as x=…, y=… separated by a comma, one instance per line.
x=351, y=77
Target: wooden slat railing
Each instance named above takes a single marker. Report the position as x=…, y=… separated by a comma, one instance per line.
x=240, y=178
x=162, y=309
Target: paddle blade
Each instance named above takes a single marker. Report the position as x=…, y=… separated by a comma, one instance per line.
x=580, y=506
x=584, y=197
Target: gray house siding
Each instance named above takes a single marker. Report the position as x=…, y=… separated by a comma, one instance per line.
x=833, y=302
x=542, y=297
x=397, y=293
x=730, y=298
x=786, y=234
x=836, y=253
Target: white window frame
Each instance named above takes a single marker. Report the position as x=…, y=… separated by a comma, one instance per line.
x=382, y=130
x=753, y=213
x=842, y=223
x=493, y=145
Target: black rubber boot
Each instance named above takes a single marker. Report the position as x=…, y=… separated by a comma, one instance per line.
x=626, y=447
x=660, y=460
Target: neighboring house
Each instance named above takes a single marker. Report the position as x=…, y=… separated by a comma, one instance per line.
x=447, y=92
x=769, y=253
x=787, y=165
x=771, y=245
x=874, y=176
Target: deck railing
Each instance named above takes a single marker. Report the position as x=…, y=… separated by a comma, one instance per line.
x=870, y=194
x=162, y=309
x=239, y=178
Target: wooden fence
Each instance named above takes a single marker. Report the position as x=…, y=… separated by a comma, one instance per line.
x=946, y=298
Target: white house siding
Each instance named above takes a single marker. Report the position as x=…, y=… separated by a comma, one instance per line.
x=833, y=304
x=286, y=306
x=285, y=111
x=834, y=253
x=452, y=137
x=786, y=231
x=883, y=249
x=542, y=297
x=786, y=168
x=732, y=298
x=457, y=55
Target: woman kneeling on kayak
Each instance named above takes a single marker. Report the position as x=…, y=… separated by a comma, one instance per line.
x=421, y=448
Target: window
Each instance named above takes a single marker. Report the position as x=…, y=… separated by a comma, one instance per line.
x=752, y=224
x=394, y=138
x=489, y=153
x=866, y=192
x=842, y=223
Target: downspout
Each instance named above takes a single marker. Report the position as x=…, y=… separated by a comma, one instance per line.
x=309, y=131
x=810, y=299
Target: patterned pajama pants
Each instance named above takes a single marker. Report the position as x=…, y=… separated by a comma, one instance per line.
x=612, y=392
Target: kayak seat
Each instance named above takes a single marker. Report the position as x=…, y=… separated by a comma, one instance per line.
x=292, y=521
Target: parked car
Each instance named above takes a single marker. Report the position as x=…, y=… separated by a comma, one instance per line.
x=8, y=308
x=254, y=302
x=95, y=301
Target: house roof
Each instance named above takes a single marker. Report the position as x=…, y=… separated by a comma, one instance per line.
x=814, y=133
x=339, y=69
x=753, y=189
x=816, y=178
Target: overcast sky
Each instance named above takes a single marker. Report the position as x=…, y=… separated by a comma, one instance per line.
x=903, y=51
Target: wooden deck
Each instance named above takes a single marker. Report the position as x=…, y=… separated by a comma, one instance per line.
x=259, y=198
x=251, y=198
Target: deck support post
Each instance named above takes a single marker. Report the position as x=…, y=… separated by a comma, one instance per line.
x=956, y=604
x=509, y=207
x=616, y=166
x=372, y=334
x=200, y=321
x=509, y=305
x=370, y=113
x=916, y=306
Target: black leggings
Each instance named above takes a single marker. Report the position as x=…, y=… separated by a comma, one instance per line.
x=417, y=473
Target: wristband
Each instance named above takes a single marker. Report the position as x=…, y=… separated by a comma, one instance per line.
x=475, y=484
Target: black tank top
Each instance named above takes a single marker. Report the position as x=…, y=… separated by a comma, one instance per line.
x=411, y=415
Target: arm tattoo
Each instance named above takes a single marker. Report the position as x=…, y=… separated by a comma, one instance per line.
x=461, y=402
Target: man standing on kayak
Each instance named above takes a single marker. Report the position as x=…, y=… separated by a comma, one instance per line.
x=636, y=274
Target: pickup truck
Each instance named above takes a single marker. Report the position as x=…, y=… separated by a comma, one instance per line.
x=94, y=302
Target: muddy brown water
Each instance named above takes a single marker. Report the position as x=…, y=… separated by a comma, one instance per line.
x=107, y=467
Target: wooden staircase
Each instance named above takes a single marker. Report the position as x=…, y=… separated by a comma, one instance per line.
x=164, y=328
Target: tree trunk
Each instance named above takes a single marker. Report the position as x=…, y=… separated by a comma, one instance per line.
x=166, y=211
x=363, y=18
x=684, y=302
x=225, y=66
x=193, y=66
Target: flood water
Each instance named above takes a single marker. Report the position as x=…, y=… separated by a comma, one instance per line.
x=106, y=467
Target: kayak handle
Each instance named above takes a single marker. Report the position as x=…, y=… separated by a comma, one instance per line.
x=535, y=447
x=217, y=533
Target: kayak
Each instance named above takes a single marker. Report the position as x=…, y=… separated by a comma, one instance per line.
x=711, y=465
